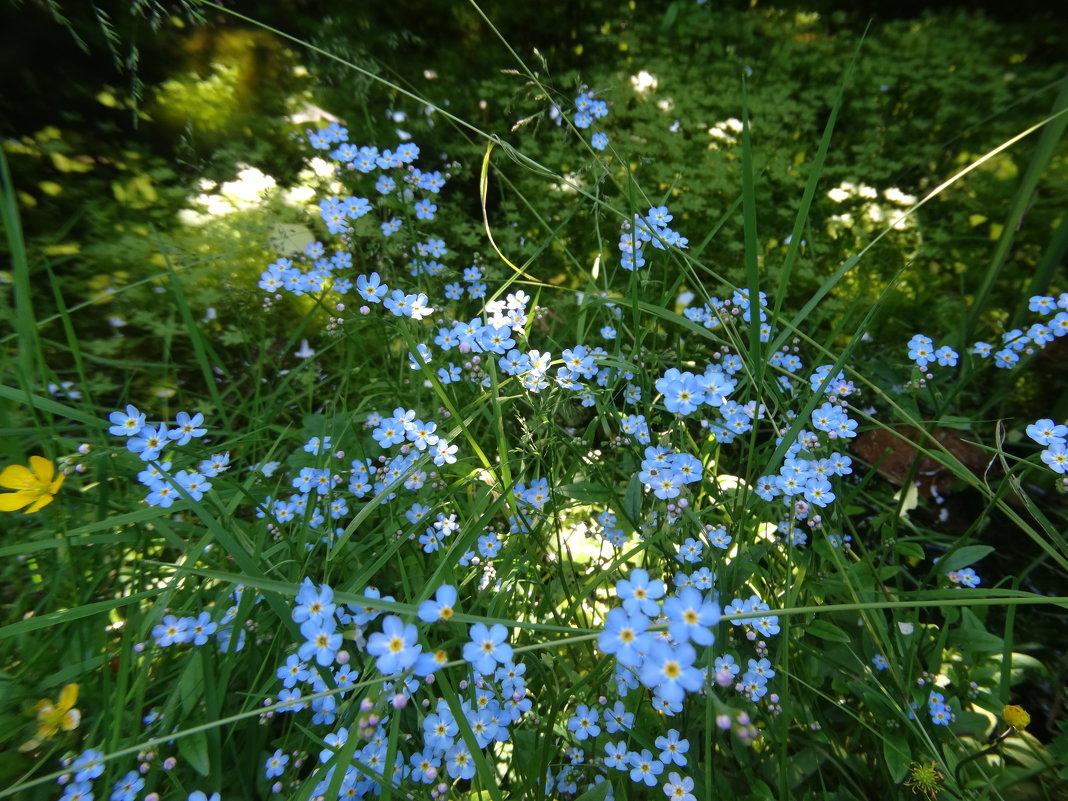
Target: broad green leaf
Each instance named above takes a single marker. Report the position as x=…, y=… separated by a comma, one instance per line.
x=599, y=792
x=974, y=636
x=826, y=631
x=911, y=550
x=194, y=750
x=963, y=557
x=191, y=685
x=896, y=755
x=585, y=492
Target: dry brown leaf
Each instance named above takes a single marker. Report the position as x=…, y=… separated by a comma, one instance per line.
x=894, y=451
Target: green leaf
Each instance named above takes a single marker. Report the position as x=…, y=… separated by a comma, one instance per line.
x=974, y=637
x=951, y=757
x=632, y=502
x=194, y=750
x=826, y=631
x=897, y=756
x=191, y=685
x=233, y=336
x=911, y=550
x=962, y=557
x=585, y=492
x=68, y=615
x=599, y=792
x=669, y=17
x=1027, y=662
x=959, y=423
x=758, y=789
x=289, y=238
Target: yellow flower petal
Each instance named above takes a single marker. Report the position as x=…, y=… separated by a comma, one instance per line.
x=51, y=717
x=55, y=485
x=71, y=720
x=10, y=501
x=34, y=489
x=47, y=723
x=1015, y=716
x=68, y=697
x=43, y=468
x=42, y=502
x=17, y=477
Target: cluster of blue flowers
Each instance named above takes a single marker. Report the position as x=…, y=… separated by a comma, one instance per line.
x=316, y=273
x=636, y=427
x=756, y=622
x=1053, y=437
x=651, y=229
x=754, y=682
x=1038, y=335
x=586, y=111
x=807, y=477
x=654, y=634
x=283, y=275
x=403, y=427
x=964, y=577
x=500, y=332
x=804, y=478
x=148, y=442
x=939, y=709
x=665, y=665
x=318, y=491
x=685, y=392
x=940, y=712
x=337, y=212
x=665, y=471
x=472, y=285
x=198, y=629
x=193, y=630
x=497, y=698
x=922, y=351
x=82, y=771
x=645, y=768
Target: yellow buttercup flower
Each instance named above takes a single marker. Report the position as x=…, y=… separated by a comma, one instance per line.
x=51, y=717
x=1015, y=716
x=34, y=486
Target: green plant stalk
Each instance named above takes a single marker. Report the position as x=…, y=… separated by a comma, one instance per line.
x=1044, y=153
